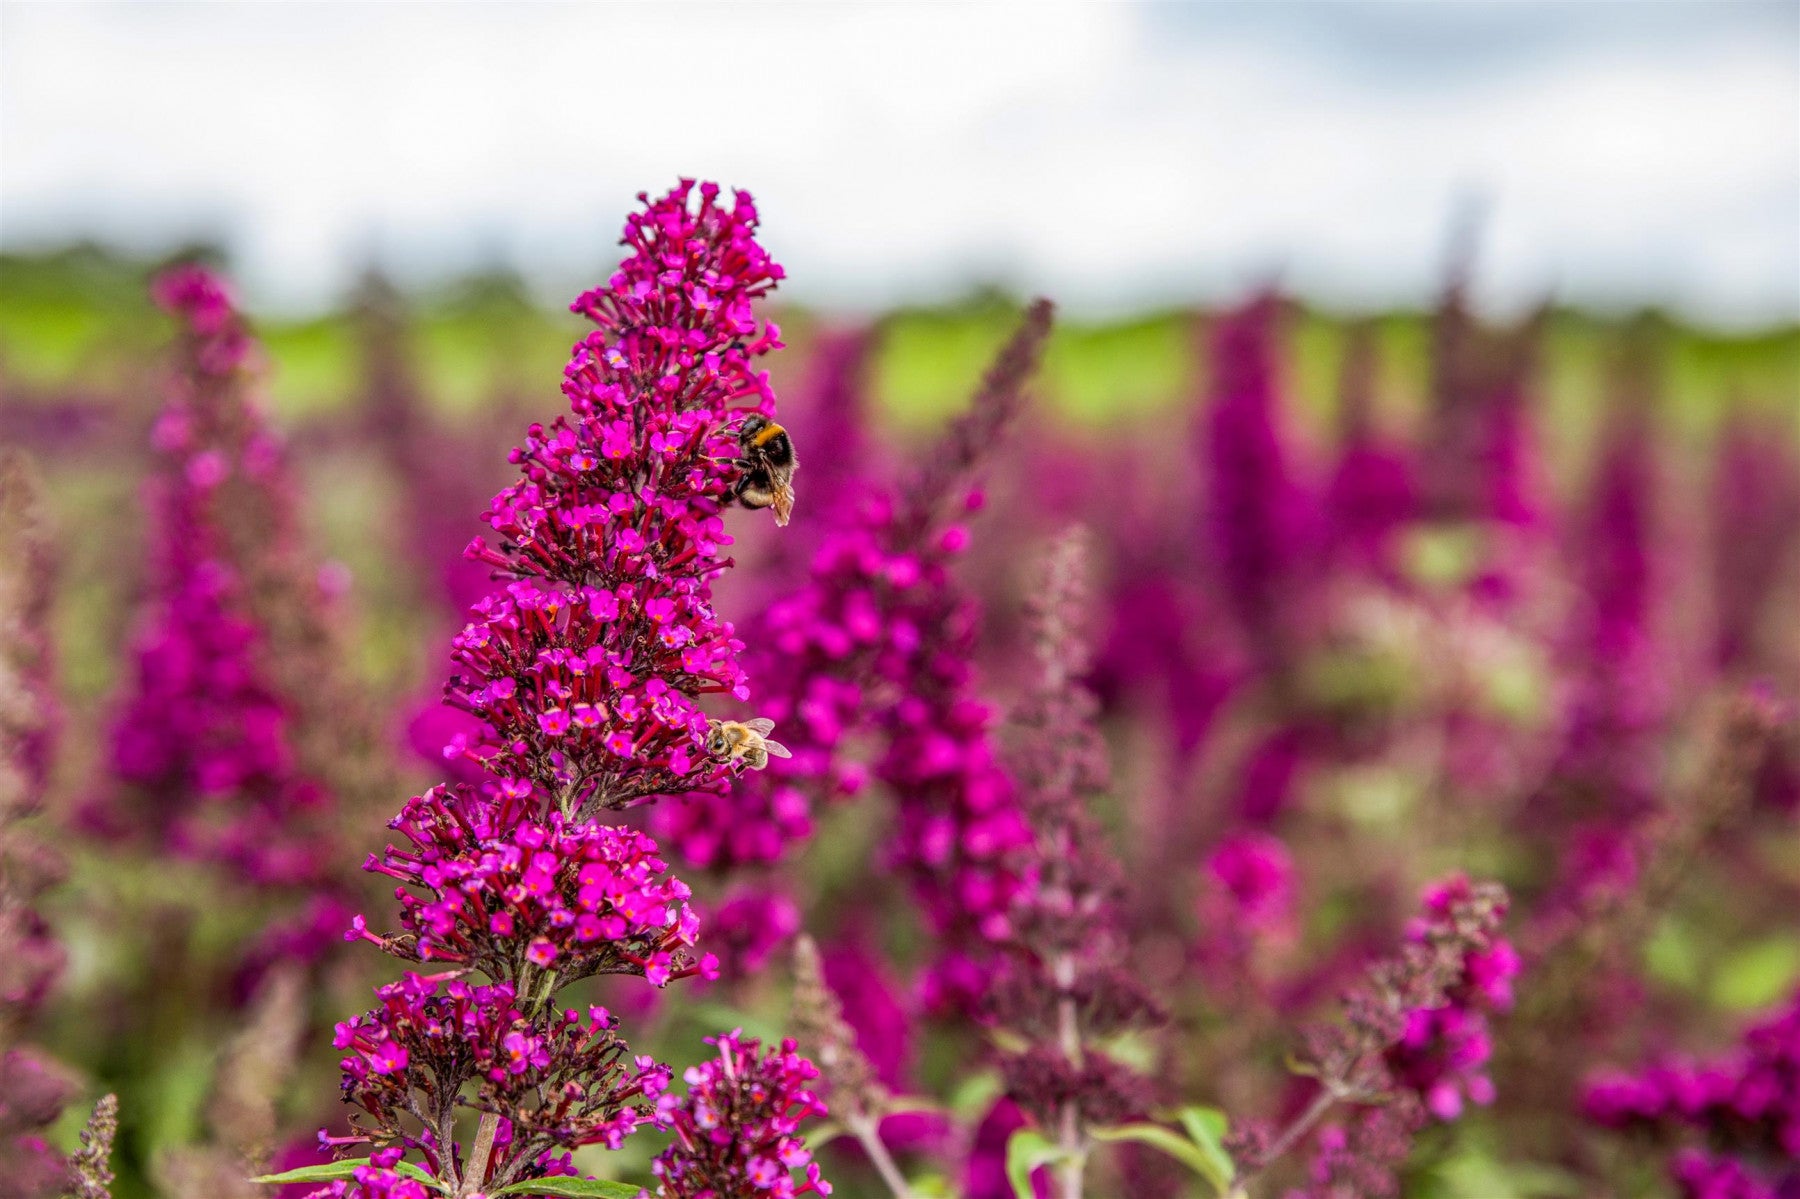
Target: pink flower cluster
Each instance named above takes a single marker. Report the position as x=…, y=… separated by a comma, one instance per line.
x=1744, y=1107
x=736, y=1128
x=1453, y=958
x=1444, y=1050
x=509, y=892
x=566, y=1082
x=1249, y=883
x=961, y=835
x=818, y=643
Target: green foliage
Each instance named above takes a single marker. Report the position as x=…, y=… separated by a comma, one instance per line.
x=1026, y=1150
x=1757, y=975
x=1206, y=1127
x=1202, y=1150
x=341, y=1170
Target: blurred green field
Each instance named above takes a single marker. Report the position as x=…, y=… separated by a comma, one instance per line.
x=77, y=320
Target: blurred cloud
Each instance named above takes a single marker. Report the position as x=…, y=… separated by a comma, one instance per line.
x=1112, y=155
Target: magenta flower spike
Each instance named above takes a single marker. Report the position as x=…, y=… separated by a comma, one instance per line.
x=1755, y=507
x=1373, y=491
x=1066, y=990
x=1260, y=520
x=205, y=757
x=880, y=639
x=33, y=1088
x=1608, y=778
x=584, y=667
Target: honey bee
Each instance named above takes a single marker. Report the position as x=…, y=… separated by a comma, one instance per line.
x=768, y=463
x=729, y=740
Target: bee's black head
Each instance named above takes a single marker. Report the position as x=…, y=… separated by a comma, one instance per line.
x=753, y=425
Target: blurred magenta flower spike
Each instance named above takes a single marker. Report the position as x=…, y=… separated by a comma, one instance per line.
x=583, y=667
x=1732, y=1122
x=1373, y=491
x=1609, y=771
x=881, y=640
x=1410, y=1047
x=203, y=757
x=1262, y=520
x=33, y=1089
x=1756, y=522
x=1067, y=992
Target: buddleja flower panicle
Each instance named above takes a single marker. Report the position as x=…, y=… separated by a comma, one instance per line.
x=877, y=640
x=584, y=666
x=208, y=752
x=510, y=892
x=736, y=1128
x=1066, y=988
x=1412, y=1043
x=564, y=1080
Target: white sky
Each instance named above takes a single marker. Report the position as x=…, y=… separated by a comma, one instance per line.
x=1113, y=155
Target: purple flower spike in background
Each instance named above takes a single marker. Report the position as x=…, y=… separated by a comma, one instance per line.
x=1261, y=524
x=33, y=1089
x=880, y=640
x=1066, y=992
x=206, y=752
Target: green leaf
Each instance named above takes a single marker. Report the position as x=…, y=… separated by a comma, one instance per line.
x=329, y=1172
x=579, y=1188
x=1757, y=975
x=1026, y=1151
x=1206, y=1127
x=336, y=1171
x=975, y=1094
x=1194, y=1156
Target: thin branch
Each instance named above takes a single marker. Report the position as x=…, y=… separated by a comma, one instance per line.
x=868, y=1135
x=478, y=1155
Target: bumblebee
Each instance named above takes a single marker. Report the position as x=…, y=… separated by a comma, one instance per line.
x=730, y=740
x=767, y=463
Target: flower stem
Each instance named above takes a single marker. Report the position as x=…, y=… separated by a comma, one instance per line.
x=476, y=1170
x=863, y=1128
x=1074, y=1161
x=1069, y=1039
x=1290, y=1136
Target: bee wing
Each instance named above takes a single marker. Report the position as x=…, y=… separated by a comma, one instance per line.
x=776, y=748
x=761, y=726
x=784, y=504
